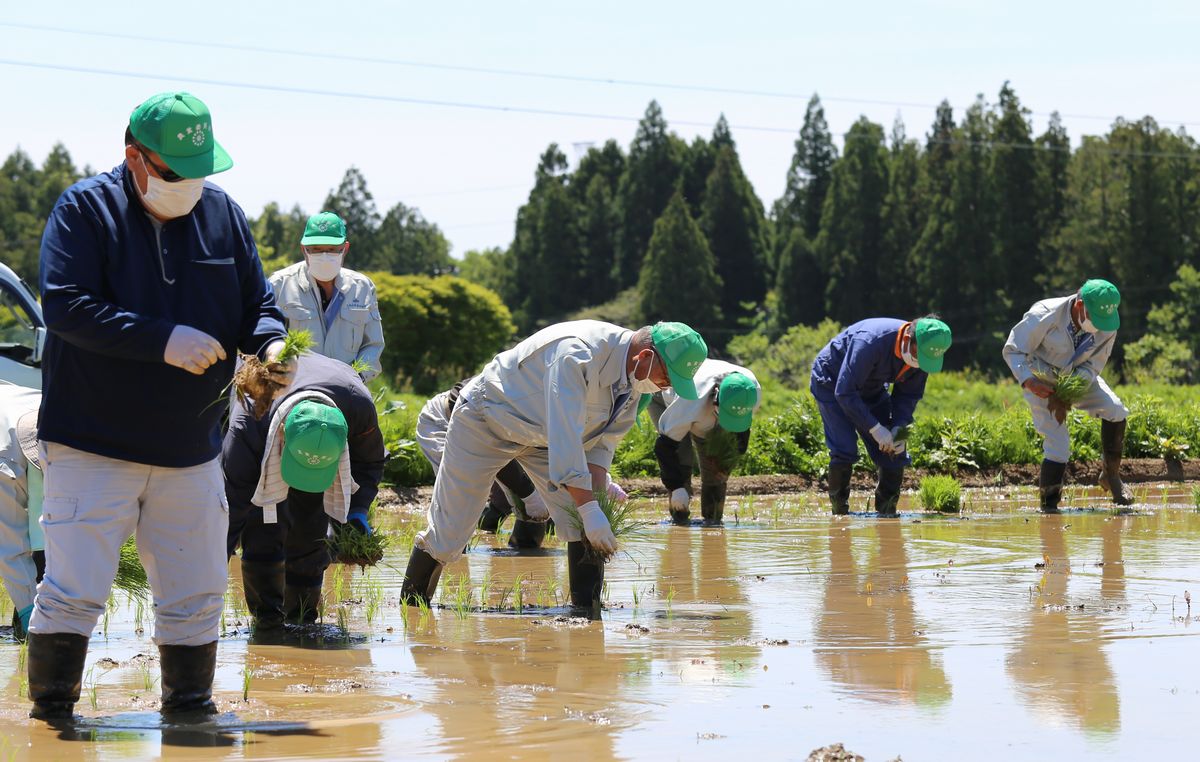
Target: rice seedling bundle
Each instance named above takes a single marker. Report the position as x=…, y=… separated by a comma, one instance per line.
x=941, y=493
x=621, y=518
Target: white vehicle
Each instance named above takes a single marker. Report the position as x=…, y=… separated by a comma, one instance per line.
x=22, y=331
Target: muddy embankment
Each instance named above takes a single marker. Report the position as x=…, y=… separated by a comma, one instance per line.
x=1133, y=471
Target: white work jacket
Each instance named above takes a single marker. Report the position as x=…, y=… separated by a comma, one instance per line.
x=17, y=569
x=1041, y=343
x=559, y=389
x=699, y=416
x=357, y=330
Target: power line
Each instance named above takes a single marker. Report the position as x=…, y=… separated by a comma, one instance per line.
x=536, y=111
x=518, y=73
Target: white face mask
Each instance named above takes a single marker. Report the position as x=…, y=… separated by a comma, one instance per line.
x=171, y=200
x=1087, y=325
x=643, y=385
x=908, y=355
x=325, y=267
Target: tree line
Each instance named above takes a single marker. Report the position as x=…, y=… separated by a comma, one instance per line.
x=976, y=220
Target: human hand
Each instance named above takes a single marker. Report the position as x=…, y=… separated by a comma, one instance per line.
x=1038, y=387
x=597, y=529
x=281, y=373
x=898, y=445
x=535, y=508
x=615, y=492
x=680, y=500
x=359, y=522
x=192, y=350
x=883, y=438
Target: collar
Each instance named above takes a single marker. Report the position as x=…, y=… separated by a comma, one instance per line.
x=904, y=366
x=612, y=372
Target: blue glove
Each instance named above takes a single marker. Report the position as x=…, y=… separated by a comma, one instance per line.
x=359, y=522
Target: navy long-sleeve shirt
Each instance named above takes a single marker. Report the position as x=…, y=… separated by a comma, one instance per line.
x=114, y=285
x=859, y=365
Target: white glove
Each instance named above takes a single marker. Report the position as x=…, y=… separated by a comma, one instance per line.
x=192, y=350
x=898, y=445
x=282, y=373
x=535, y=507
x=883, y=438
x=595, y=526
x=680, y=499
x=615, y=492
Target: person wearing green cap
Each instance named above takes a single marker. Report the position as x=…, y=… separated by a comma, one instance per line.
x=151, y=285
x=335, y=304
x=558, y=403
x=716, y=425
x=317, y=455
x=867, y=382
x=1071, y=335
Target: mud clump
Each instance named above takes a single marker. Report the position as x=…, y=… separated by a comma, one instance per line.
x=833, y=753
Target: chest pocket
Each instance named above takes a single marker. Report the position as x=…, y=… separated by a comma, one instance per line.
x=298, y=317
x=353, y=319
x=1057, y=346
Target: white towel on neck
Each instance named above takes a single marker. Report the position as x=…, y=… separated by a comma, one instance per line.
x=272, y=489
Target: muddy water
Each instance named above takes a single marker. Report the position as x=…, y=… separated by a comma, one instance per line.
x=998, y=635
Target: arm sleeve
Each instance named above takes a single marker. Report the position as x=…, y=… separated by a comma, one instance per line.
x=1023, y=339
x=515, y=478
x=673, y=473
x=566, y=411
x=262, y=322
x=856, y=366
x=372, y=347
x=905, y=396
x=241, y=461
x=367, y=455
x=72, y=284
x=743, y=442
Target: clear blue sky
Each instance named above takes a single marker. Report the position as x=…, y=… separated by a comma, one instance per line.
x=468, y=170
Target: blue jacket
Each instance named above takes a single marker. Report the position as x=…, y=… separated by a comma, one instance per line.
x=113, y=289
x=856, y=368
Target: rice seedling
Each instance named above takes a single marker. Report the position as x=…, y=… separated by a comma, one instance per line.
x=941, y=493
x=252, y=381
x=902, y=433
x=670, y=600
x=91, y=682
x=247, y=677
x=343, y=619
x=353, y=547
x=622, y=519
x=374, y=599
x=1196, y=496
x=519, y=594
x=131, y=577
x=1069, y=388
x=360, y=366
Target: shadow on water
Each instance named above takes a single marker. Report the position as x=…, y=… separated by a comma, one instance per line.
x=218, y=731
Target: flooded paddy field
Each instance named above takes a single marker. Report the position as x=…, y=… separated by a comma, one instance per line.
x=997, y=634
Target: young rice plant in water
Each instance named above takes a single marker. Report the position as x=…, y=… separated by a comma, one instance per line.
x=620, y=515
x=941, y=493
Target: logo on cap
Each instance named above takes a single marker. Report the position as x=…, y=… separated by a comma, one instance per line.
x=1107, y=309
x=937, y=351
x=314, y=459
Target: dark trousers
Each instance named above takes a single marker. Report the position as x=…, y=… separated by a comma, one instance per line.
x=297, y=537
x=841, y=437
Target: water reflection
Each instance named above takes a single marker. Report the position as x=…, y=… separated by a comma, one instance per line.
x=1060, y=665
x=867, y=636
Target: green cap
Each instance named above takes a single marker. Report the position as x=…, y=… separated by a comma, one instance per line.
x=682, y=351
x=1101, y=299
x=314, y=437
x=933, y=339
x=324, y=229
x=178, y=127
x=735, y=402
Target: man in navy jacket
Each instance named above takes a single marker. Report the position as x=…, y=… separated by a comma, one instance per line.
x=850, y=380
x=151, y=285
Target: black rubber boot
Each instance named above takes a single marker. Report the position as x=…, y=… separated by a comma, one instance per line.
x=264, y=583
x=1112, y=443
x=839, y=487
x=420, y=578
x=301, y=603
x=1050, y=485
x=712, y=503
x=495, y=510
x=55, y=666
x=887, y=493
x=585, y=577
x=527, y=534
x=187, y=679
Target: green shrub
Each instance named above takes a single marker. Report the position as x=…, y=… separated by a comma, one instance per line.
x=438, y=330
x=941, y=493
x=406, y=465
